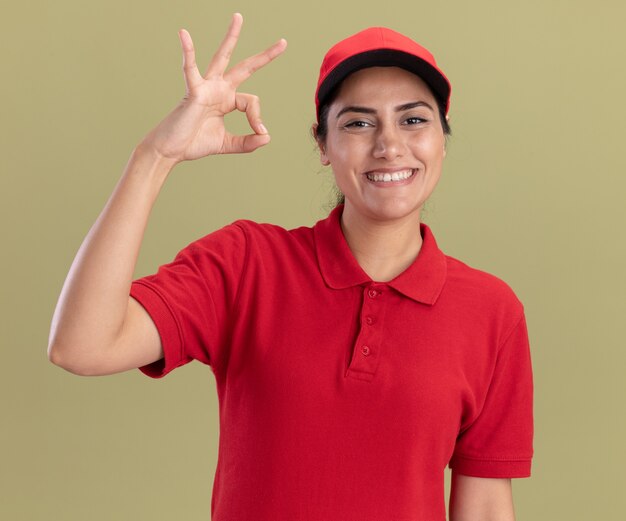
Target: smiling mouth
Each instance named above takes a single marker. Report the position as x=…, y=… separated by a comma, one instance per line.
x=386, y=177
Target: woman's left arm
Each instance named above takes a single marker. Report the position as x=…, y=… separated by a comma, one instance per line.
x=480, y=499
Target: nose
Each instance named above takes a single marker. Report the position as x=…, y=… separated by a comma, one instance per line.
x=389, y=143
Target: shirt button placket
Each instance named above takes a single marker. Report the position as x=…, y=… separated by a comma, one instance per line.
x=366, y=349
x=369, y=320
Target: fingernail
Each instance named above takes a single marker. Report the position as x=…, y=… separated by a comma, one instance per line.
x=263, y=129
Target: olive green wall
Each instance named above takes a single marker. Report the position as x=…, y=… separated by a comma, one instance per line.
x=532, y=191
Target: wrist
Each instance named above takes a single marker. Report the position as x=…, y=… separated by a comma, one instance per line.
x=147, y=164
x=148, y=153
x=152, y=160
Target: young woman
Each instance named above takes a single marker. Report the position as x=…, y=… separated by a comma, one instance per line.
x=354, y=360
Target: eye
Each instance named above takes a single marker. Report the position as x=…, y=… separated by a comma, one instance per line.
x=414, y=120
x=357, y=124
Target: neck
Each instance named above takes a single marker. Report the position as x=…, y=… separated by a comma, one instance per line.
x=383, y=249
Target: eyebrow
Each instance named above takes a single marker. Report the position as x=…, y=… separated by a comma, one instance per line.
x=399, y=108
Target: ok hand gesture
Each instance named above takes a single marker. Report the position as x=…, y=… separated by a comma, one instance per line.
x=195, y=128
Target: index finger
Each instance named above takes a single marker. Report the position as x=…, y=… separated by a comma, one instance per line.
x=243, y=70
x=220, y=59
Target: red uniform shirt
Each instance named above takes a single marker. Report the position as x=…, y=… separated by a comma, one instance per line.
x=342, y=398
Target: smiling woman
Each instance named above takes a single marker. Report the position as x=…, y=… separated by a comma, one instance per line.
x=385, y=144
x=401, y=360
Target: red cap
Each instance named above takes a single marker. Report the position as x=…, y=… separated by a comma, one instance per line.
x=379, y=47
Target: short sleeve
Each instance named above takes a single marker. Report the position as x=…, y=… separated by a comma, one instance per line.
x=499, y=442
x=191, y=300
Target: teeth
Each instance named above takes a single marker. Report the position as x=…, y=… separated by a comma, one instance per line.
x=387, y=177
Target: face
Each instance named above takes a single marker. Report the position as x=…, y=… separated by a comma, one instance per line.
x=385, y=143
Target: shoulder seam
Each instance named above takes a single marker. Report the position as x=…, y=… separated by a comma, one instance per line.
x=509, y=333
x=223, y=362
x=244, y=267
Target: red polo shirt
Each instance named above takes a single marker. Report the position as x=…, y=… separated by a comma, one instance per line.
x=343, y=398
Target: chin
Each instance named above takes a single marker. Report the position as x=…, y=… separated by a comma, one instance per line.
x=395, y=210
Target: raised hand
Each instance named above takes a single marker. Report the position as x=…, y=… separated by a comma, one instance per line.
x=195, y=128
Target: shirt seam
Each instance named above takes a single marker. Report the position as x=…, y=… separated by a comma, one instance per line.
x=236, y=300
x=507, y=336
x=509, y=333
x=196, y=253
x=493, y=458
x=244, y=267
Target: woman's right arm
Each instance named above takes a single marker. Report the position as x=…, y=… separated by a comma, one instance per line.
x=97, y=328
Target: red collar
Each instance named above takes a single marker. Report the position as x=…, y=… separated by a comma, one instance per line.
x=421, y=281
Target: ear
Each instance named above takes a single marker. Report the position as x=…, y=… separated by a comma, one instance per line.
x=323, y=157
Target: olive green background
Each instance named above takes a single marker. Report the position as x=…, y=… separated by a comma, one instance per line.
x=532, y=191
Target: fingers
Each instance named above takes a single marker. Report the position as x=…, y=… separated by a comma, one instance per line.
x=243, y=70
x=190, y=69
x=244, y=144
x=224, y=52
x=249, y=104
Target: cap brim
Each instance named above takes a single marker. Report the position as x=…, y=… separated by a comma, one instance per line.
x=386, y=58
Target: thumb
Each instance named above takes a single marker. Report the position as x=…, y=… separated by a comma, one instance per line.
x=244, y=144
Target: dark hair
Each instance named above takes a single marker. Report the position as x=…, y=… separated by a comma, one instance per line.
x=322, y=126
